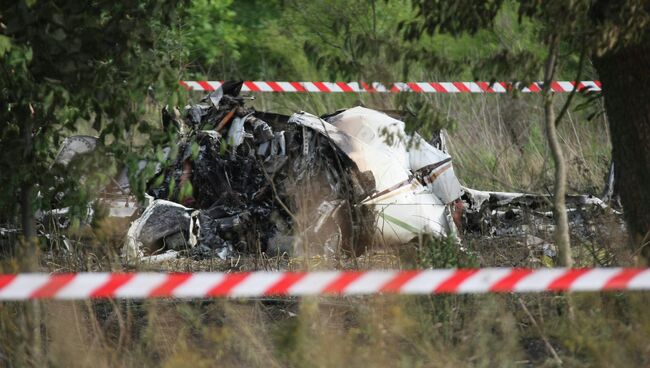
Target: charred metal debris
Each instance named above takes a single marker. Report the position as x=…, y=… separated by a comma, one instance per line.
x=255, y=179
x=244, y=181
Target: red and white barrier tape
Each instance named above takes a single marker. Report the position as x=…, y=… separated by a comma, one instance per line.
x=255, y=284
x=417, y=87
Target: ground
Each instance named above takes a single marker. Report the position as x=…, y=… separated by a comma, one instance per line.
x=492, y=150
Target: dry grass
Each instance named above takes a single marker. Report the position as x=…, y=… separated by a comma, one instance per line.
x=497, y=143
x=442, y=331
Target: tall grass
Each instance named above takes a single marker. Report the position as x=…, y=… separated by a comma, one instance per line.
x=497, y=141
x=497, y=144
x=440, y=331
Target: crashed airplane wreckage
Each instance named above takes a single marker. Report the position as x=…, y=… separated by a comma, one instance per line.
x=297, y=184
x=243, y=181
x=302, y=184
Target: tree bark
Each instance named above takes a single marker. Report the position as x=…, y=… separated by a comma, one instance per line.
x=26, y=213
x=27, y=219
x=625, y=76
x=562, y=240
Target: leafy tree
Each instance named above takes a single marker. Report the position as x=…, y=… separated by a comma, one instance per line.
x=228, y=39
x=211, y=36
x=67, y=62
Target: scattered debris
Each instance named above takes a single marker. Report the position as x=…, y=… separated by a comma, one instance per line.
x=73, y=146
x=498, y=213
x=242, y=181
x=334, y=184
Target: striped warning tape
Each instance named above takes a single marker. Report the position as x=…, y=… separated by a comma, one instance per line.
x=250, y=284
x=417, y=87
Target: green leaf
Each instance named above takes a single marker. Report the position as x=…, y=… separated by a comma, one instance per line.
x=195, y=150
x=547, y=261
x=186, y=191
x=5, y=45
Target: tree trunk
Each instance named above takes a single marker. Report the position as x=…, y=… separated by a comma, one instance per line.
x=562, y=240
x=26, y=213
x=26, y=196
x=625, y=76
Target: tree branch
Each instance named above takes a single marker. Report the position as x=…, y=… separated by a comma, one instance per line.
x=565, y=108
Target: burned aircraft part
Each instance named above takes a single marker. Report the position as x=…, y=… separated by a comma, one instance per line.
x=159, y=258
x=114, y=201
x=434, y=168
x=120, y=206
x=164, y=225
x=280, y=245
x=429, y=164
x=477, y=200
x=337, y=183
x=171, y=118
x=406, y=208
x=517, y=214
x=59, y=218
x=74, y=146
x=271, y=175
x=262, y=179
